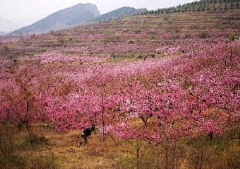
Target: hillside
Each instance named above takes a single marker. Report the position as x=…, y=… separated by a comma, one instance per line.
x=153, y=28
x=202, y=5
x=76, y=16
x=119, y=13
x=66, y=18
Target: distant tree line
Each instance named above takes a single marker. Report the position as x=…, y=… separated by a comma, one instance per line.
x=198, y=6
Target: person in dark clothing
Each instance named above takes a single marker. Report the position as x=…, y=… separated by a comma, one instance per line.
x=86, y=133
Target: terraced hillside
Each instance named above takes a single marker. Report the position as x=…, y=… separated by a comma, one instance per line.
x=138, y=34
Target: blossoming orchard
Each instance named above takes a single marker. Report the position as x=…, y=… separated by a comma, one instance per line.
x=158, y=89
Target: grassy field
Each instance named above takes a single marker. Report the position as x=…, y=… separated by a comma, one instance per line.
x=48, y=149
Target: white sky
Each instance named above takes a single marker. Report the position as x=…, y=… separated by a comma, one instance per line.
x=23, y=11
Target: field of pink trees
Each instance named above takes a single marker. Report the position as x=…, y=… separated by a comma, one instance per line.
x=153, y=92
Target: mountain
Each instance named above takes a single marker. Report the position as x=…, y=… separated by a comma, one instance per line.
x=7, y=26
x=119, y=13
x=66, y=18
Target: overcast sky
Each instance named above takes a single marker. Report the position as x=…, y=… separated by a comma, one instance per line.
x=32, y=10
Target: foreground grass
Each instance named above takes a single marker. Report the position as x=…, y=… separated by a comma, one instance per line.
x=49, y=149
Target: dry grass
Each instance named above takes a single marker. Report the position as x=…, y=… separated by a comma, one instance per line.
x=52, y=150
x=96, y=154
